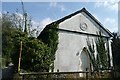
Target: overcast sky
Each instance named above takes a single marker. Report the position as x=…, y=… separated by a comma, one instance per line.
x=43, y=13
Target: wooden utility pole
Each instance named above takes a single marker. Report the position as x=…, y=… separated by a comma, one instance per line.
x=19, y=57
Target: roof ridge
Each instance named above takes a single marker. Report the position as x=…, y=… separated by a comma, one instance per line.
x=98, y=22
x=77, y=12
x=66, y=17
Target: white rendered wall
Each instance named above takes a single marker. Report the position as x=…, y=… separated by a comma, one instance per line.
x=71, y=45
x=110, y=52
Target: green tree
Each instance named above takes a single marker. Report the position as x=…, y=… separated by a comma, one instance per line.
x=1, y=42
x=7, y=31
x=116, y=51
x=36, y=56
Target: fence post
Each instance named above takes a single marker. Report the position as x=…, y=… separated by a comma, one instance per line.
x=86, y=73
x=19, y=59
x=113, y=73
x=94, y=75
x=57, y=74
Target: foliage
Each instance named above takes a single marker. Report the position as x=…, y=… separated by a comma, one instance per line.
x=91, y=48
x=116, y=50
x=7, y=31
x=36, y=56
x=20, y=22
x=50, y=37
x=102, y=59
x=1, y=42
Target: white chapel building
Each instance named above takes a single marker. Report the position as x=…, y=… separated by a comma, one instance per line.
x=74, y=31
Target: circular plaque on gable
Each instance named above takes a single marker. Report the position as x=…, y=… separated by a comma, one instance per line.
x=83, y=26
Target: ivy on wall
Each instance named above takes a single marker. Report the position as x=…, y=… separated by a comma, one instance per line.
x=101, y=60
x=91, y=48
x=50, y=37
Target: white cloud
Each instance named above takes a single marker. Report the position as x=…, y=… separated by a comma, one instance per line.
x=35, y=24
x=40, y=25
x=109, y=20
x=111, y=24
x=112, y=5
x=43, y=23
x=19, y=15
x=62, y=8
x=57, y=5
x=53, y=4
